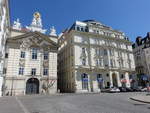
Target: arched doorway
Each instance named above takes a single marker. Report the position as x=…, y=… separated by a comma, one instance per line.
x=32, y=86
x=114, y=80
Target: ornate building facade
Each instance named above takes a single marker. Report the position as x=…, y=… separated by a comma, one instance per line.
x=4, y=34
x=93, y=56
x=31, y=60
x=141, y=50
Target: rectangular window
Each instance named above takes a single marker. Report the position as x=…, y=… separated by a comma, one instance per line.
x=82, y=29
x=33, y=71
x=97, y=62
x=6, y=55
x=45, y=71
x=22, y=55
x=84, y=61
x=45, y=56
x=4, y=70
x=105, y=52
x=83, y=50
x=21, y=71
x=111, y=62
x=122, y=76
x=100, y=62
x=34, y=53
x=78, y=28
x=111, y=53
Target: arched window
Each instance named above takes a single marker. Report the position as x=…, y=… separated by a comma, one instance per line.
x=84, y=78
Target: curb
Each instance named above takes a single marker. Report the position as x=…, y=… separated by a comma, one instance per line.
x=140, y=100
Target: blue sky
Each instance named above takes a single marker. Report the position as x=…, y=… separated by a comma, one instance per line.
x=129, y=16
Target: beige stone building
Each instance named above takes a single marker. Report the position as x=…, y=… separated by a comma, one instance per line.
x=93, y=56
x=30, y=61
x=4, y=34
x=141, y=50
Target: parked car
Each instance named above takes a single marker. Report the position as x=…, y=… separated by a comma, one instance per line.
x=138, y=89
x=122, y=89
x=144, y=89
x=129, y=89
x=104, y=90
x=114, y=90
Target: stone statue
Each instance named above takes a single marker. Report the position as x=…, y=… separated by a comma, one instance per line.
x=36, y=24
x=17, y=25
x=53, y=31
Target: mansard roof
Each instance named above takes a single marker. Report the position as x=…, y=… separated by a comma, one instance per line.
x=94, y=22
x=142, y=41
x=34, y=34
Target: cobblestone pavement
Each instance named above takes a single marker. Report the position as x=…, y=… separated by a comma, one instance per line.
x=74, y=103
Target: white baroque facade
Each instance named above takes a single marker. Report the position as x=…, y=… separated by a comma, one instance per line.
x=92, y=56
x=30, y=62
x=4, y=34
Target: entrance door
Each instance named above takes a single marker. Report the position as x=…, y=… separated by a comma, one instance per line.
x=84, y=78
x=32, y=86
x=114, y=78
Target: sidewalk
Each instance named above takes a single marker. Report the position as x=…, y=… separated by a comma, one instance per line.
x=141, y=98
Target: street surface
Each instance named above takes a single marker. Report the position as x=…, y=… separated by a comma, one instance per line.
x=74, y=103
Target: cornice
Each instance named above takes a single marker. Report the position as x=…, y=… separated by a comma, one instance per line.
x=88, y=34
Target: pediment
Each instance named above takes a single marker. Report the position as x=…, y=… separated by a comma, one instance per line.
x=33, y=39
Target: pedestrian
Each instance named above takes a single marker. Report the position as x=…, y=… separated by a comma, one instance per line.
x=148, y=88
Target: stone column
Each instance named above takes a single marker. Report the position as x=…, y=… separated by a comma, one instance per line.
x=90, y=82
x=118, y=79
x=127, y=79
x=1, y=76
x=110, y=79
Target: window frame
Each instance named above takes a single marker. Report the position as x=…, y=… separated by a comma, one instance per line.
x=46, y=56
x=21, y=71
x=33, y=71
x=22, y=54
x=45, y=71
x=34, y=53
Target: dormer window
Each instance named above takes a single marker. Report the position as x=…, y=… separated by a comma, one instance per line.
x=78, y=28
x=82, y=29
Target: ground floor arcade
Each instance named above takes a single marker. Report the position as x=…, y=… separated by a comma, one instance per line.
x=94, y=81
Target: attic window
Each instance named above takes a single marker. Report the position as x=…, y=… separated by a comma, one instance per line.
x=78, y=28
